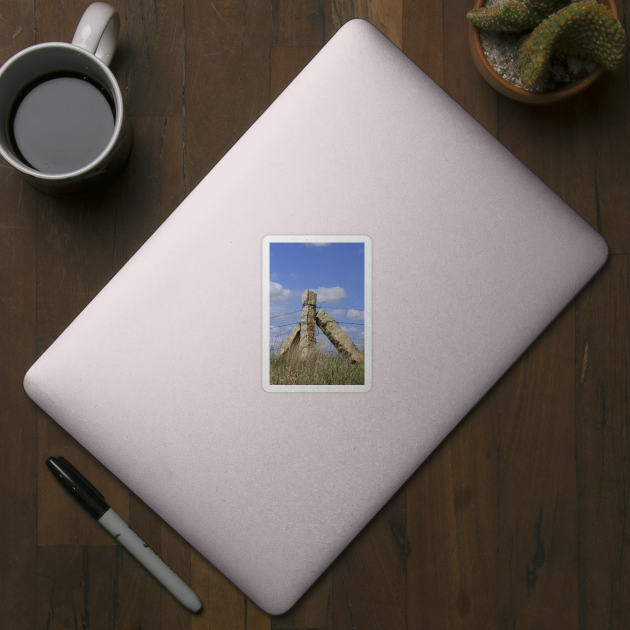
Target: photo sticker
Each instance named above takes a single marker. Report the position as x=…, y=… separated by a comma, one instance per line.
x=317, y=313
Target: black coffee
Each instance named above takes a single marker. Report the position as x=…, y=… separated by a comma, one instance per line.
x=61, y=123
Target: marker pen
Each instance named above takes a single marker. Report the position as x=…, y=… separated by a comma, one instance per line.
x=94, y=502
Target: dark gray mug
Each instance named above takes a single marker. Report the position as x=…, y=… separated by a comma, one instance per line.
x=61, y=161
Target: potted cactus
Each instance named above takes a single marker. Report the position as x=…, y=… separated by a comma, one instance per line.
x=558, y=48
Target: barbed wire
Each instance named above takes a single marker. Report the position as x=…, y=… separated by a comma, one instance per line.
x=283, y=314
x=285, y=325
x=317, y=331
x=339, y=308
x=296, y=323
x=283, y=336
x=317, y=334
x=336, y=308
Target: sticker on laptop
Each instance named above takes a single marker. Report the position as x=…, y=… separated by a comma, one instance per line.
x=317, y=313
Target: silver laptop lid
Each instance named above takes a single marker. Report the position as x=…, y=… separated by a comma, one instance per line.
x=161, y=376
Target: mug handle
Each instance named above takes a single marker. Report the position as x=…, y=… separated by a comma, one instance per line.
x=98, y=30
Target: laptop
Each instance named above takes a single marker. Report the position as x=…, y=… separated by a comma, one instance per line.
x=462, y=257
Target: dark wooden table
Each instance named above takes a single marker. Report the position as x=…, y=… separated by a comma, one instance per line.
x=518, y=520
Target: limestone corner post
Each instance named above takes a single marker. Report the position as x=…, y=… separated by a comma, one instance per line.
x=307, y=323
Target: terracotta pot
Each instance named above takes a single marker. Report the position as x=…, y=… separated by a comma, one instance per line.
x=518, y=94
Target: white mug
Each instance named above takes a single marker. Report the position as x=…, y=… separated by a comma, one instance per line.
x=62, y=115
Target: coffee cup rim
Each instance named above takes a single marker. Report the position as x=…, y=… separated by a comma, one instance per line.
x=118, y=122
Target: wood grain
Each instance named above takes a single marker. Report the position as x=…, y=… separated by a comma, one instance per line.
x=573, y=149
x=18, y=416
x=224, y=606
x=151, y=187
x=76, y=587
x=154, y=57
x=369, y=577
x=300, y=22
x=226, y=78
x=461, y=79
x=452, y=515
x=602, y=380
x=422, y=36
x=537, y=509
x=609, y=134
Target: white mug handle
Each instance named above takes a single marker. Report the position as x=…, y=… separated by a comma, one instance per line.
x=98, y=31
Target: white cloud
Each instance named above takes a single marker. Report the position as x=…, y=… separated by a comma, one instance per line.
x=274, y=276
x=358, y=316
x=294, y=275
x=317, y=244
x=277, y=293
x=330, y=294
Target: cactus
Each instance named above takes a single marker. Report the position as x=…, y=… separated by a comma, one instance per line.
x=513, y=16
x=584, y=29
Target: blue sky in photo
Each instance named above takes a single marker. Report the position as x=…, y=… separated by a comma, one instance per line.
x=335, y=271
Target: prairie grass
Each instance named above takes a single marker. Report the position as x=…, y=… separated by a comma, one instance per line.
x=321, y=367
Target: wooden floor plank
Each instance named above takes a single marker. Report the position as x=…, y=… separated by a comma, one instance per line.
x=452, y=527
x=171, y=157
x=609, y=135
x=369, y=577
x=76, y=587
x=537, y=537
x=300, y=22
x=256, y=618
x=57, y=23
x=226, y=78
x=462, y=80
x=422, y=36
x=386, y=15
x=224, y=606
x=603, y=445
x=17, y=28
x=154, y=57
x=152, y=185
x=18, y=415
